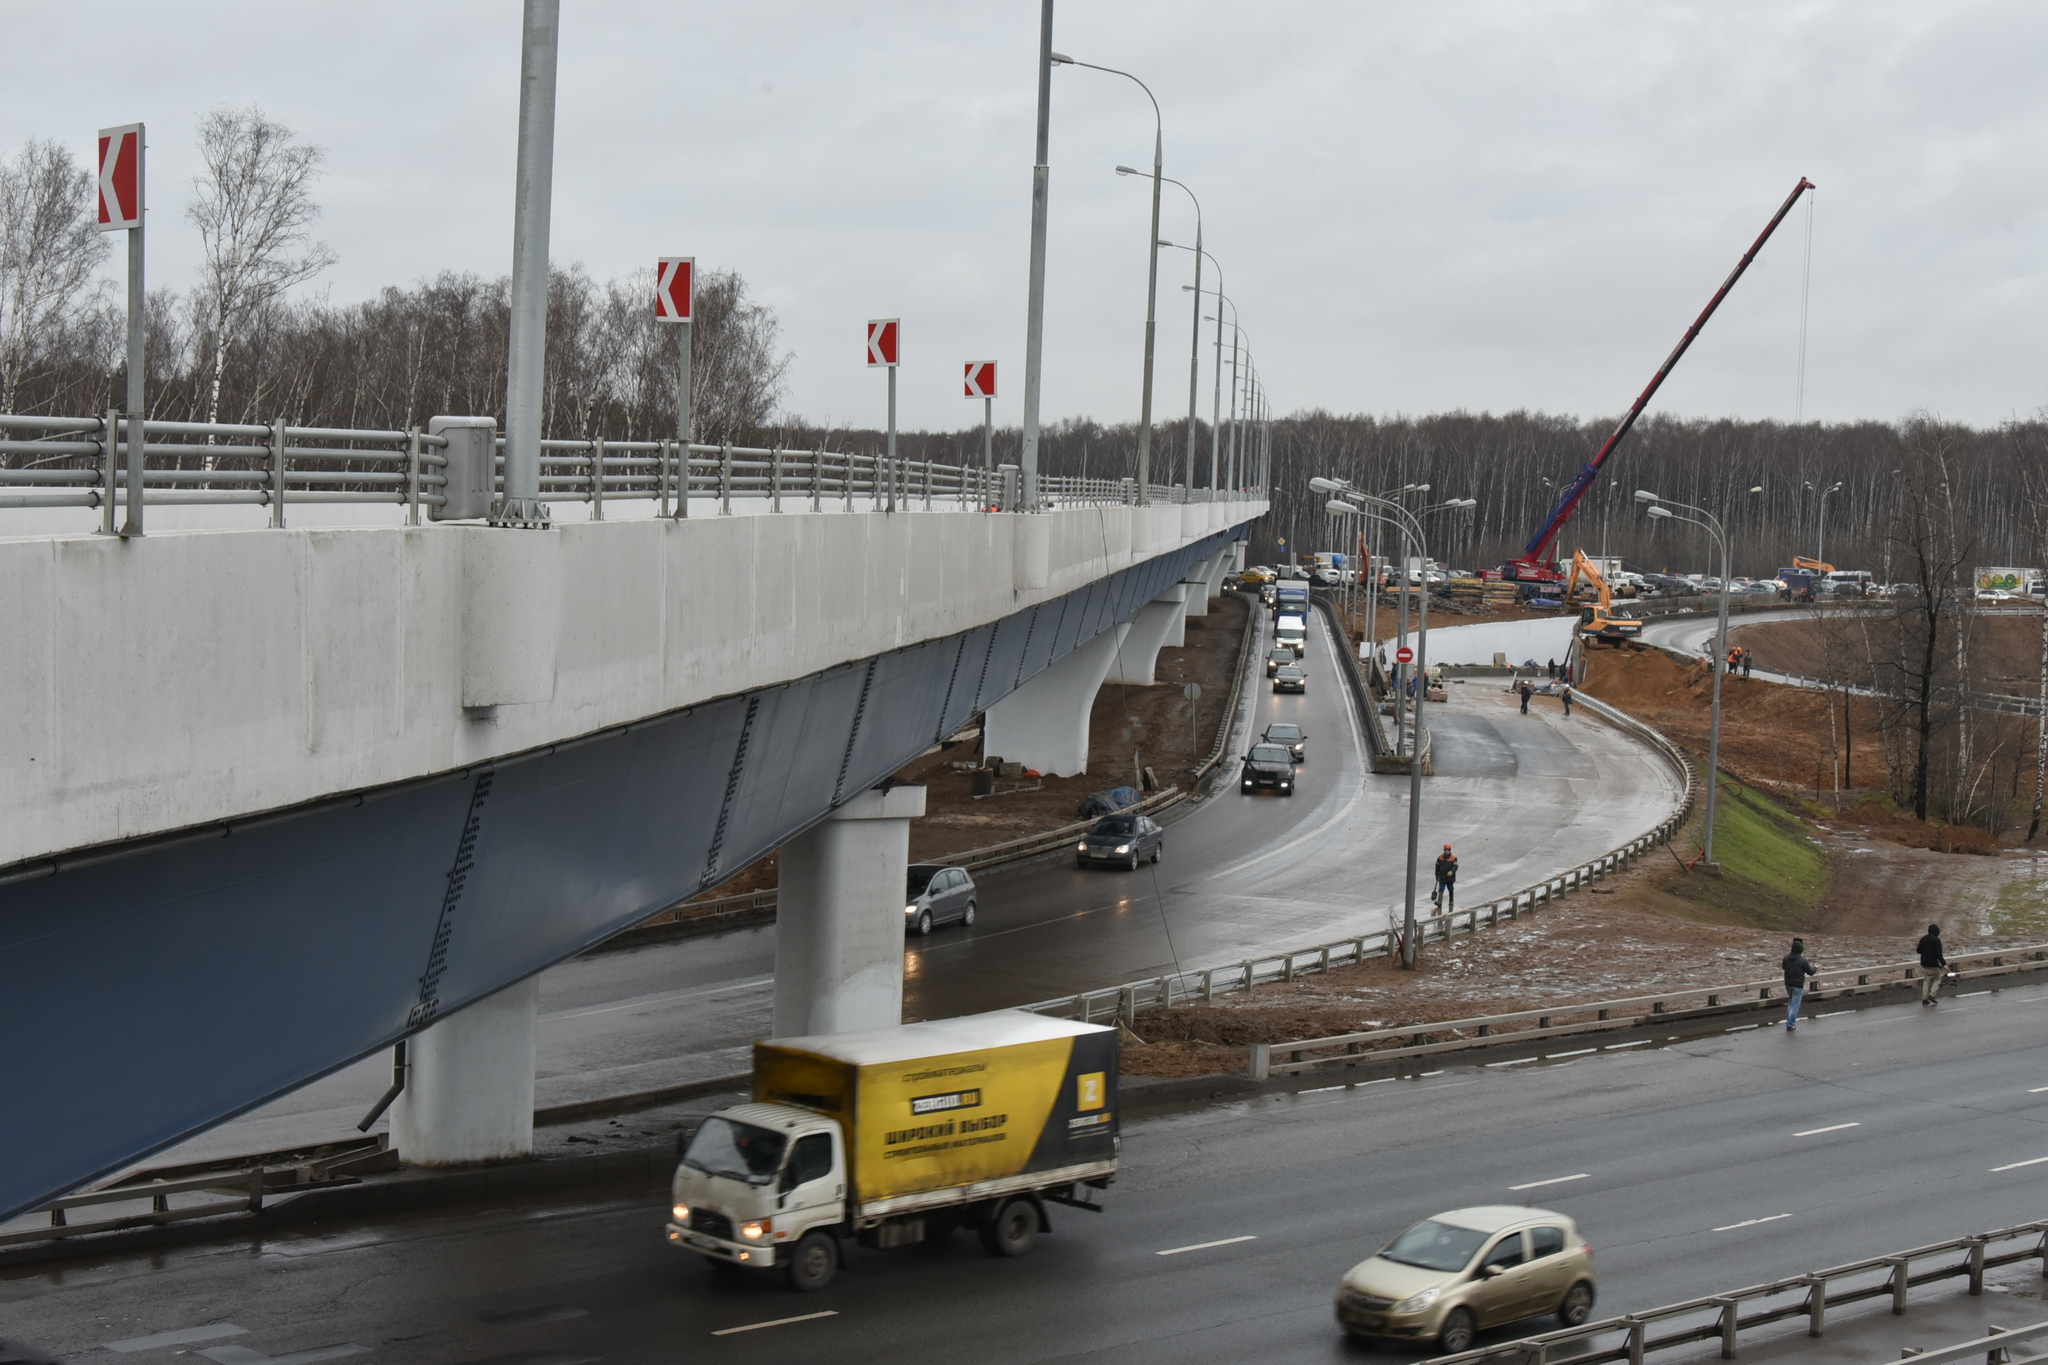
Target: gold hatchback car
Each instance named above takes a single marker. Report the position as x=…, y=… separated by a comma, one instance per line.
x=1451, y=1276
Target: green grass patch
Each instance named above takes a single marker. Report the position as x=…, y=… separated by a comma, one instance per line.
x=1773, y=875
x=2021, y=909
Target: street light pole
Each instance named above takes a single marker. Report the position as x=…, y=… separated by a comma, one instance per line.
x=1820, y=549
x=526, y=353
x=1712, y=525
x=1151, y=268
x=1034, y=306
x=1194, y=337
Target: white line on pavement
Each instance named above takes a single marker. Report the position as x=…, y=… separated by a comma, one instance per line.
x=1578, y=1053
x=2039, y=1089
x=1515, y=1061
x=186, y=1337
x=775, y=1322
x=1319, y=1090
x=1831, y=1128
x=1751, y=1222
x=1616, y=1047
x=1739, y=1028
x=1554, y=1180
x=2015, y=1165
x=1204, y=1246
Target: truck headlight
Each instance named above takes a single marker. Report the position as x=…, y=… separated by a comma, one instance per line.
x=681, y=1213
x=761, y=1227
x=1415, y=1303
x=1123, y=848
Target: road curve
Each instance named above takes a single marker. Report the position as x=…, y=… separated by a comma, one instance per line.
x=1520, y=796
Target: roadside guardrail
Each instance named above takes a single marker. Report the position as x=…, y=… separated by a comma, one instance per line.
x=1720, y=1317
x=1124, y=1001
x=1565, y=1019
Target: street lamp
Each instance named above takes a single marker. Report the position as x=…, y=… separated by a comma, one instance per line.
x=1820, y=549
x=1712, y=525
x=1034, y=304
x=1236, y=335
x=1152, y=269
x=1195, y=292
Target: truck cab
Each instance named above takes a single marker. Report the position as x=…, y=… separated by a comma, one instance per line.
x=754, y=1179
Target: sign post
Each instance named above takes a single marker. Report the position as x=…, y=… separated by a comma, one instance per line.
x=979, y=381
x=675, y=300
x=883, y=336
x=120, y=210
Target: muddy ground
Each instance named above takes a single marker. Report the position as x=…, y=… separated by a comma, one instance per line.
x=2004, y=653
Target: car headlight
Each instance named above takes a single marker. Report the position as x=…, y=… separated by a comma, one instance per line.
x=681, y=1212
x=761, y=1227
x=1081, y=847
x=1415, y=1303
x=1286, y=784
x=910, y=909
x=1123, y=848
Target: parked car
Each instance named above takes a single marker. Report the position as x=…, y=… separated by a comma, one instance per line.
x=938, y=895
x=1268, y=765
x=1127, y=839
x=1278, y=659
x=1326, y=578
x=1291, y=678
x=1290, y=735
x=1450, y=1276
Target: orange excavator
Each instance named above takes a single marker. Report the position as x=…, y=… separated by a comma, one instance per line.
x=1598, y=622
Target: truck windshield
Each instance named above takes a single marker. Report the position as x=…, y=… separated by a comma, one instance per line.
x=1434, y=1246
x=723, y=1147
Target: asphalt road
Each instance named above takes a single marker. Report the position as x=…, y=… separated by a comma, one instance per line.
x=1520, y=796
x=1693, y=1167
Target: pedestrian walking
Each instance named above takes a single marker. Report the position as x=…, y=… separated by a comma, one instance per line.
x=1566, y=693
x=1745, y=661
x=1933, y=965
x=1446, y=893
x=1797, y=969
x=1527, y=692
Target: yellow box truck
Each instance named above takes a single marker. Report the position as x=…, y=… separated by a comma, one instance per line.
x=894, y=1136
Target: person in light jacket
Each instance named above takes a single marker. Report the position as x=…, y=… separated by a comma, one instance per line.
x=1797, y=969
x=1933, y=965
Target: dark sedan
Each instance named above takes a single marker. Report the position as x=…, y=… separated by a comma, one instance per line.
x=1277, y=660
x=1290, y=679
x=1269, y=765
x=1124, y=839
x=1292, y=736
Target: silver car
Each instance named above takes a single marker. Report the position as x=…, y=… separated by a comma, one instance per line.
x=938, y=895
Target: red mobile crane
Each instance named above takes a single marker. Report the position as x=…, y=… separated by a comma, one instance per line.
x=1534, y=564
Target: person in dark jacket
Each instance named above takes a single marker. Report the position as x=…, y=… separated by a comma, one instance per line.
x=1566, y=693
x=1797, y=969
x=1446, y=880
x=1933, y=965
x=1527, y=692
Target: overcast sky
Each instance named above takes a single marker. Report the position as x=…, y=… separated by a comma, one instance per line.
x=1420, y=207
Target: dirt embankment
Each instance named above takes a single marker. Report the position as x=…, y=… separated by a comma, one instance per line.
x=1129, y=726
x=2004, y=649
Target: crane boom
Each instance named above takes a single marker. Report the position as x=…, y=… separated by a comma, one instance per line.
x=1534, y=563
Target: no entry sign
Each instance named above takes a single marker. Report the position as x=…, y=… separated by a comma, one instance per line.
x=1404, y=655
x=675, y=288
x=882, y=341
x=120, y=178
x=979, y=379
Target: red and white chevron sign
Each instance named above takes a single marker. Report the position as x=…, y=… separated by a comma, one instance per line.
x=675, y=288
x=120, y=181
x=979, y=379
x=882, y=341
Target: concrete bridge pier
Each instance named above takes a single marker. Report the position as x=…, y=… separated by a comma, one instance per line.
x=1200, y=583
x=839, y=917
x=1155, y=621
x=1044, y=723
x=468, y=1093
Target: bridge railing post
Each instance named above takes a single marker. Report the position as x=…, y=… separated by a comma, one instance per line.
x=277, y=473
x=412, y=476
x=775, y=479
x=597, y=479
x=725, y=479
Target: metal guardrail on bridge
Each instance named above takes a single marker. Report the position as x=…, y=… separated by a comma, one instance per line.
x=73, y=462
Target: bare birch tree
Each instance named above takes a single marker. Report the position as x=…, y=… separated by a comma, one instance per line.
x=49, y=249
x=254, y=210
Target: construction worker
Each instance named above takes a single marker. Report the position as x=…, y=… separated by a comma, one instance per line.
x=1446, y=880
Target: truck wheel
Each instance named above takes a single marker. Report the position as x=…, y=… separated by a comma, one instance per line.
x=1013, y=1231
x=813, y=1262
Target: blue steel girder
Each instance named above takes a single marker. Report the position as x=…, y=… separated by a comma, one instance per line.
x=165, y=987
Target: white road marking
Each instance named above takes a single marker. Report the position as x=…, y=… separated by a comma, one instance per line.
x=1751, y=1222
x=1425, y=1075
x=1319, y=1090
x=1831, y=1128
x=775, y=1322
x=1964, y=995
x=1616, y=1047
x=2015, y=1165
x=1515, y=1061
x=183, y=1337
x=1564, y=1180
x=1740, y=1028
x=1204, y=1246
x=2039, y=1089
x=1578, y=1053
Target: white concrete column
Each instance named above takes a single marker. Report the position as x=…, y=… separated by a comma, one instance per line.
x=1238, y=550
x=839, y=918
x=1044, y=723
x=1218, y=566
x=1177, y=626
x=1138, y=656
x=1197, y=582
x=469, y=1083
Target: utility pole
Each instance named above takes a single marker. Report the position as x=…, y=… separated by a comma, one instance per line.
x=1034, y=307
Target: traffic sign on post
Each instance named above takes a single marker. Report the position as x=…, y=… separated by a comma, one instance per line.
x=120, y=179
x=675, y=289
x=882, y=341
x=979, y=379
x=1404, y=655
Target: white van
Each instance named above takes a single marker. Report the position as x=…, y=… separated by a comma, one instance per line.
x=1291, y=632
x=1848, y=583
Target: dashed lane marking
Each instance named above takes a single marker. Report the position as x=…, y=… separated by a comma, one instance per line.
x=1559, y=1180
x=186, y=1336
x=1831, y=1128
x=2015, y=1165
x=233, y=1354
x=2038, y=1090
x=774, y=1322
x=1204, y=1246
x=1751, y=1222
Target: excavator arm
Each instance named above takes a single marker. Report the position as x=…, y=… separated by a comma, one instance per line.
x=1598, y=622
